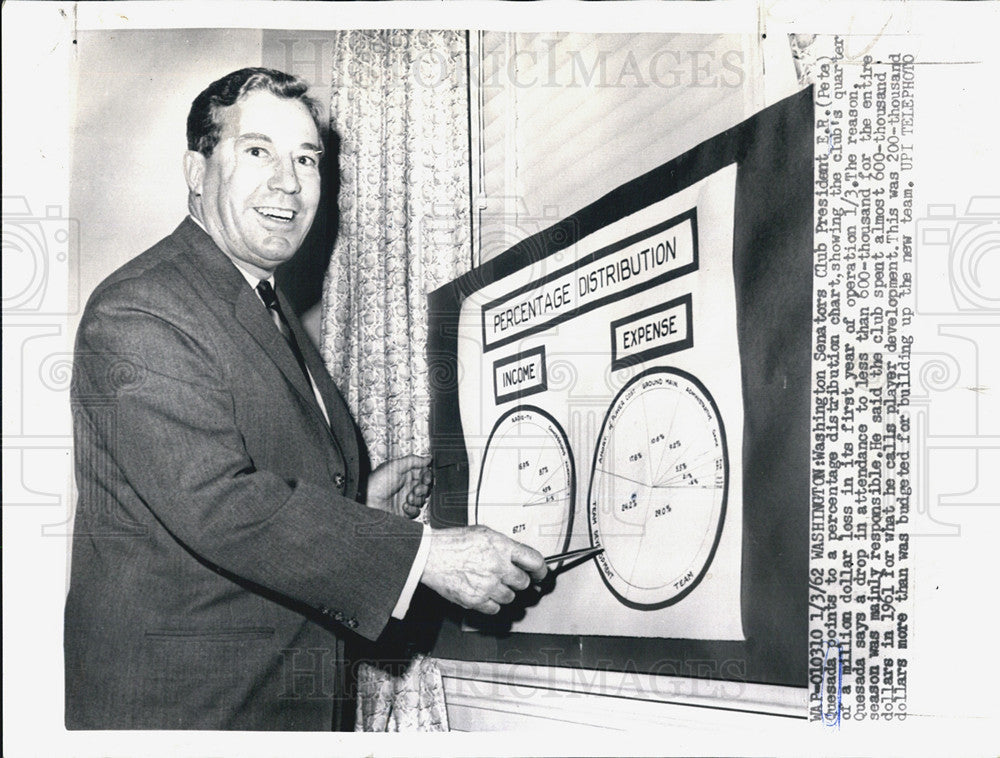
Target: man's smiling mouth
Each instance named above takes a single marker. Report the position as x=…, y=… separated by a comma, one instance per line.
x=277, y=214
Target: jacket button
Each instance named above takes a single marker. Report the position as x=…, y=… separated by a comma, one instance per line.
x=352, y=623
x=339, y=481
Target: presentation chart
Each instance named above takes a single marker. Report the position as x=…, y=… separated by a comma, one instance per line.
x=632, y=384
x=601, y=405
x=527, y=485
x=658, y=488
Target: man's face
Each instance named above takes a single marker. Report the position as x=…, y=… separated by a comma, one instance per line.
x=260, y=186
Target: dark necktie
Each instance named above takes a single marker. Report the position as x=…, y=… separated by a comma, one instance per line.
x=267, y=294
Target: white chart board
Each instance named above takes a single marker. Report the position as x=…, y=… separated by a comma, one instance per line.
x=601, y=403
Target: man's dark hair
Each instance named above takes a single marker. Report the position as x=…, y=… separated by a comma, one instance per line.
x=203, y=127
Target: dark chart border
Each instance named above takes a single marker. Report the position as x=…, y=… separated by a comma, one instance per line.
x=772, y=269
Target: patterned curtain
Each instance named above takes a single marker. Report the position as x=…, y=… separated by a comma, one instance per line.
x=400, y=106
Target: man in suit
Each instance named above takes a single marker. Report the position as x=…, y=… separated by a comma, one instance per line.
x=221, y=553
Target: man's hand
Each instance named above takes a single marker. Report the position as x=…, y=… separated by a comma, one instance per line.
x=401, y=486
x=480, y=569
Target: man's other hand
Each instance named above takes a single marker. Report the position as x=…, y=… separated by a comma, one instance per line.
x=480, y=569
x=401, y=486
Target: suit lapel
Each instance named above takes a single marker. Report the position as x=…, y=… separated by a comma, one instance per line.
x=227, y=283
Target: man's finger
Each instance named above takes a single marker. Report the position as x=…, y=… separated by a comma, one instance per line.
x=417, y=496
x=396, y=474
x=516, y=579
x=410, y=462
x=489, y=607
x=400, y=469
x=530, y=560
x=502, y=594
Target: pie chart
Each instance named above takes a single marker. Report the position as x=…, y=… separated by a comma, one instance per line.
x=657, y=498
x=526, y=485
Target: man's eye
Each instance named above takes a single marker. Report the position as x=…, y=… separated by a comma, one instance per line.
x=307, y=160
x=258, y=152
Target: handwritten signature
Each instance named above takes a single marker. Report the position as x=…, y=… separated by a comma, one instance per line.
x=832, y=717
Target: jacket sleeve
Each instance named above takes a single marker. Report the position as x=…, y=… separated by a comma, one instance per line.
x=151, y=373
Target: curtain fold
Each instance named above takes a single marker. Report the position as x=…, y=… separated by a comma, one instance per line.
x=400, y=105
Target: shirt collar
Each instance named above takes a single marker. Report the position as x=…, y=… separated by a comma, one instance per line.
x=252, y=280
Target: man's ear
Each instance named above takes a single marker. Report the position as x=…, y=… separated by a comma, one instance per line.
x=194, y=171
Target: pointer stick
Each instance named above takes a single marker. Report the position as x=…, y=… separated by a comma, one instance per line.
x=587, y=552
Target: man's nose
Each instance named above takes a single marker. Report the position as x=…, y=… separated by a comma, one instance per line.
x=284, y=177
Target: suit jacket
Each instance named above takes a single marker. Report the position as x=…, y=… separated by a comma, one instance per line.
x=219, y=551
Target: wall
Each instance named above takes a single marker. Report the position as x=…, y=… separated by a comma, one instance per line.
x=133, y=93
